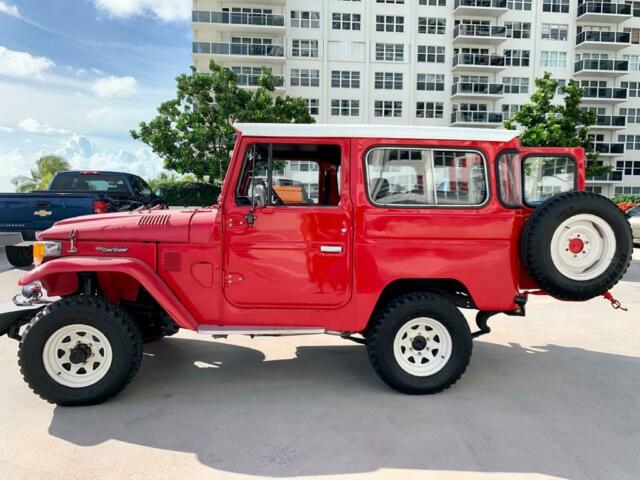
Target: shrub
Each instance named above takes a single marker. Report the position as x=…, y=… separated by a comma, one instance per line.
x=624, y=206
x=627, y=198
x=187, y=194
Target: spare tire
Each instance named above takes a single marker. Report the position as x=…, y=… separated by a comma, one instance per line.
x=576, y=245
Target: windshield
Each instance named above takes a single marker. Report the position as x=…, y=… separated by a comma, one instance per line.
x=546, y=176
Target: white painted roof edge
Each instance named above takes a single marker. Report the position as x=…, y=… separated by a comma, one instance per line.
x=331, y=130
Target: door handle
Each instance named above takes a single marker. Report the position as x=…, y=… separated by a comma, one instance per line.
x=330, y=249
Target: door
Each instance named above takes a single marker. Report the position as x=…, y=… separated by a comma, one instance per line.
x=288, y=228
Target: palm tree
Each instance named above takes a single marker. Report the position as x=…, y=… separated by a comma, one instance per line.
x=40, y=177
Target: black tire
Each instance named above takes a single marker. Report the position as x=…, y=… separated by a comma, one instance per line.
x=19, y=257
x=536, y=245
x=110, y=320
x=388, y=321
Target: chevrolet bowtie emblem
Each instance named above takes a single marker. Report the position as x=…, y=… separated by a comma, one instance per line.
x=42, y=213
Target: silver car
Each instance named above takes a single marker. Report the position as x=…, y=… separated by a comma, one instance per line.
x=634, y=220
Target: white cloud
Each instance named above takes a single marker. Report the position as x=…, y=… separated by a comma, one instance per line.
x=32, y=125
x=111, y=86
x=103, y=112
x=166, y=10
x=22, y=64
x=6, y=129
x=9, y=9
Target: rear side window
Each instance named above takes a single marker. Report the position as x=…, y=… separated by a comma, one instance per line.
x=545, y=176
x=426, y=177
x=509, y=179
x=89, y=182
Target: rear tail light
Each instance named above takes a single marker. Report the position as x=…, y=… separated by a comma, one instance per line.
x=99, y=206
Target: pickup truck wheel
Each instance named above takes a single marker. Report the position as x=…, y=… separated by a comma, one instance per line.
x=19, y=257
x=419, y=343
x=81, y=350
x=576, y=245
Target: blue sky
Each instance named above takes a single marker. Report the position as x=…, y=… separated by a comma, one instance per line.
x=77, y=75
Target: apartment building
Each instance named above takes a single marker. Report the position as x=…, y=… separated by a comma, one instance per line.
x=438, y=62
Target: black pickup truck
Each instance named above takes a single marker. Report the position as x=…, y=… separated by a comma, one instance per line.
x=69, y=194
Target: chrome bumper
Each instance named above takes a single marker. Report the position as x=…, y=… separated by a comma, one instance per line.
x=17, y=312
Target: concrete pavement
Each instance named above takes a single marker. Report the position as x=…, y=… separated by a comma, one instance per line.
x=552, y=395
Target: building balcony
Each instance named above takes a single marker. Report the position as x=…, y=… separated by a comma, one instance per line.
x=480, y=8
x=474, y=119
x=252, y=81
x=479, y=34
x=237, y=21
x=478, y=62
x=611, y=177
x=609, y=149
x=601, y=67
x=610, y=122
x=240, y=51
x=604, y=12
x=595, y=94
x=603, y=40
x=477, y=90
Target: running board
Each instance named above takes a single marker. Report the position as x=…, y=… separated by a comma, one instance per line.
x=259, y=330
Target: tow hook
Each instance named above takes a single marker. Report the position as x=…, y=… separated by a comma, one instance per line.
x=614, y=303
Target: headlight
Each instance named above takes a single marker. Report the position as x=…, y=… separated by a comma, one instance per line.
x=42, y=250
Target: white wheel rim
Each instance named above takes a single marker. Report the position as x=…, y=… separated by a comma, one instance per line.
x=583, y=247
x=64, y=346
x=429, y=359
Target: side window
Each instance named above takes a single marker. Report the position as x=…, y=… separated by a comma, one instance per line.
x=299, y=175
x=429, y=177
x=509, y=181
x=545, y=176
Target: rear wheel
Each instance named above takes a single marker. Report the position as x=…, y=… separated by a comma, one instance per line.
x=80, y=350
x=419, y=343
x=19, y=257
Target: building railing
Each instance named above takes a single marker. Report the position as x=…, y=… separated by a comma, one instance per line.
x=479, y=59
x=611, y=121
x=605, y=93
x=605, y=8
x=491, y=31
x=239, y=18
x=615, y=176
x=481, y=3
x=603, y=37
x=252, y=80
x=602, y=65
x=239, y=49
x=474, y=88
x=462, y=116
x=609, y=148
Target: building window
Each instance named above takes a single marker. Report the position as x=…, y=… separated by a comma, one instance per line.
x=519, y=4
x=515, y=85
x=304, y=48
x=304, y=77
x=631, y=142
x=632, y=114
x=390, y=1
x=555, y=32
x=628, y=167
x=430, y=54
x=516, y=58
x=633, y=88
x=305, y=19
x=430, y=82
x=518, y=29
x=389, y=23
x=313, y=104
x=434, y=3
x=387, y=108
x=634, y=62
x=508, y=110
x=432, y=25
x=346, y=21
x=429, y=110
x=594, y=189
x=627, y=190
x=345, y=79
x=345, y=108
x=388, y=81
x=553, y=59
x=556, y=6
x=390, y=52
x=634, y=33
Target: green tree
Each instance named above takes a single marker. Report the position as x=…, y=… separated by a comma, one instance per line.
x=193, y=132
x=546, y=123
x=40, y=176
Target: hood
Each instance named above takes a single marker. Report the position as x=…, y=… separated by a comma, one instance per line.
x=170, y=226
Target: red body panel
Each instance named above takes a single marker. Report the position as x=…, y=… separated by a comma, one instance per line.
x=210, y=267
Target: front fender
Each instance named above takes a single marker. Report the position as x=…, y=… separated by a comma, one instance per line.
x=54, y=271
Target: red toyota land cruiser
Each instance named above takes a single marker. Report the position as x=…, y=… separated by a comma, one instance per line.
x=380, y=234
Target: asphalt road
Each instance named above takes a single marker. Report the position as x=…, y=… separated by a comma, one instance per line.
x=552, y=395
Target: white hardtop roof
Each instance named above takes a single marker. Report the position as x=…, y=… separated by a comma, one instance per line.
x=331, y=130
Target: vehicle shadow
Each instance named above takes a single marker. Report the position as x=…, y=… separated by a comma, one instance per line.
x=552, y=410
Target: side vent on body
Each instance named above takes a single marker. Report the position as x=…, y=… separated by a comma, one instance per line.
x=171, y=262
x=154, y=220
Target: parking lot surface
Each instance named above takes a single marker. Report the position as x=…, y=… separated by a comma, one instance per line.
x=552, y=395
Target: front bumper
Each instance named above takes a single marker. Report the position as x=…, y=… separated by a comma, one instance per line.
x=14, y=314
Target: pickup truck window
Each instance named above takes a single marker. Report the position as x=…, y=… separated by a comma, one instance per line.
x=139, y=185
x=545, y=176
x=426, y=177
x=90, y=182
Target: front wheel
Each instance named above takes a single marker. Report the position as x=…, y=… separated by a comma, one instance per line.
x=80, y=350
x=419, y=343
